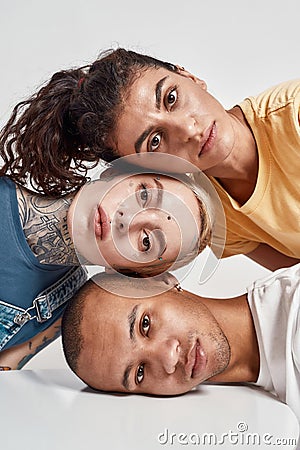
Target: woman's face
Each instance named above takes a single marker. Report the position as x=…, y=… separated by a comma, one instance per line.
x=169, y=112
x=131, y=221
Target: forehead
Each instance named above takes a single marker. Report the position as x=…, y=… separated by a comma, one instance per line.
x=106, y=330
x=109, y=313
x=144, y=87
x=139, y=107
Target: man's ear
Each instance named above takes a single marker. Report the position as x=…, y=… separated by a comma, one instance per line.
x=185, y=73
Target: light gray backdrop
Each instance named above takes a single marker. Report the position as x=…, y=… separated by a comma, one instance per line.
x=239, y=47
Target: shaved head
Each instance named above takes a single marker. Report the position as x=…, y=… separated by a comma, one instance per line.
x=131, y=342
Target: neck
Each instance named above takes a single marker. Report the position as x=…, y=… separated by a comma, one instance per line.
x=44, y=221
x=238, y=172
x=235, y=319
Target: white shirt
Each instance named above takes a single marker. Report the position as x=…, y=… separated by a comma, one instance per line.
x=275, y=302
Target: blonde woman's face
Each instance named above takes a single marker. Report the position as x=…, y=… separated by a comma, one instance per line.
x=134, y=221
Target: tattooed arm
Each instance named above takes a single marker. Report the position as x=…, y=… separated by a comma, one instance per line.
x=16, y=357
x=44, y=221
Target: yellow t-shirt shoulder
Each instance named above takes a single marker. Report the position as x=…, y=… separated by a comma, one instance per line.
x=272, y=213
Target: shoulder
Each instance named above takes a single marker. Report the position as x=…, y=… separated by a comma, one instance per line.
x=274, y=98
x=6, y=182
x=282, y=286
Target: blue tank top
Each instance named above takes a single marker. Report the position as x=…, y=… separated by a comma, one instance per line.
x=22, y=276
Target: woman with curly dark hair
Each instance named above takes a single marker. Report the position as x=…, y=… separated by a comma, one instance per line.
x=128, y=103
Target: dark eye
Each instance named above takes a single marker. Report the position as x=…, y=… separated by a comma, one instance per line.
x=146, y=241
x=140, y=374
x=145, y=325
x=172, y=97
x=144, y=195
x=155, y=142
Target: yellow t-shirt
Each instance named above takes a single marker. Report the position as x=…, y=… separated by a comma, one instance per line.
x=272, y=213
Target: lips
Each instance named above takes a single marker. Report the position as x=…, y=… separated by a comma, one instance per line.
x=209, y=139
x=102, y=223
x=196, y=361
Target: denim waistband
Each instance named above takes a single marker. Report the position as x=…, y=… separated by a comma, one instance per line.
x=12, y=318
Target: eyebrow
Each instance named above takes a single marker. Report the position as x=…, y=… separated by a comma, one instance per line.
x=158, y=91
x=131, y=323
x=125, y=381
x=160, y=190
x=160, y=237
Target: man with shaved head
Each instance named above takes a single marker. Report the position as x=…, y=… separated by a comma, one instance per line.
x=149, y=336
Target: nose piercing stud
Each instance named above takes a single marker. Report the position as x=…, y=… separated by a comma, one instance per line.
x=160, y=258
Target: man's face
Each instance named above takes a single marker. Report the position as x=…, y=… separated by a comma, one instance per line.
x=162, y=345
x=168, y=112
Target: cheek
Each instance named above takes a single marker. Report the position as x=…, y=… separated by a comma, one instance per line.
x=172, y=387
x=113, y=197
x=173, y=320
x=109, y=252
x=123, y=253
x=180, y=237
x=171, y=229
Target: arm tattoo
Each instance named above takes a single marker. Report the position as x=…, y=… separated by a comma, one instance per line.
x=46, y=340
x=44, y=221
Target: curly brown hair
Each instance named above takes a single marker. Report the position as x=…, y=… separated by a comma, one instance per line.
x=55, y=136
